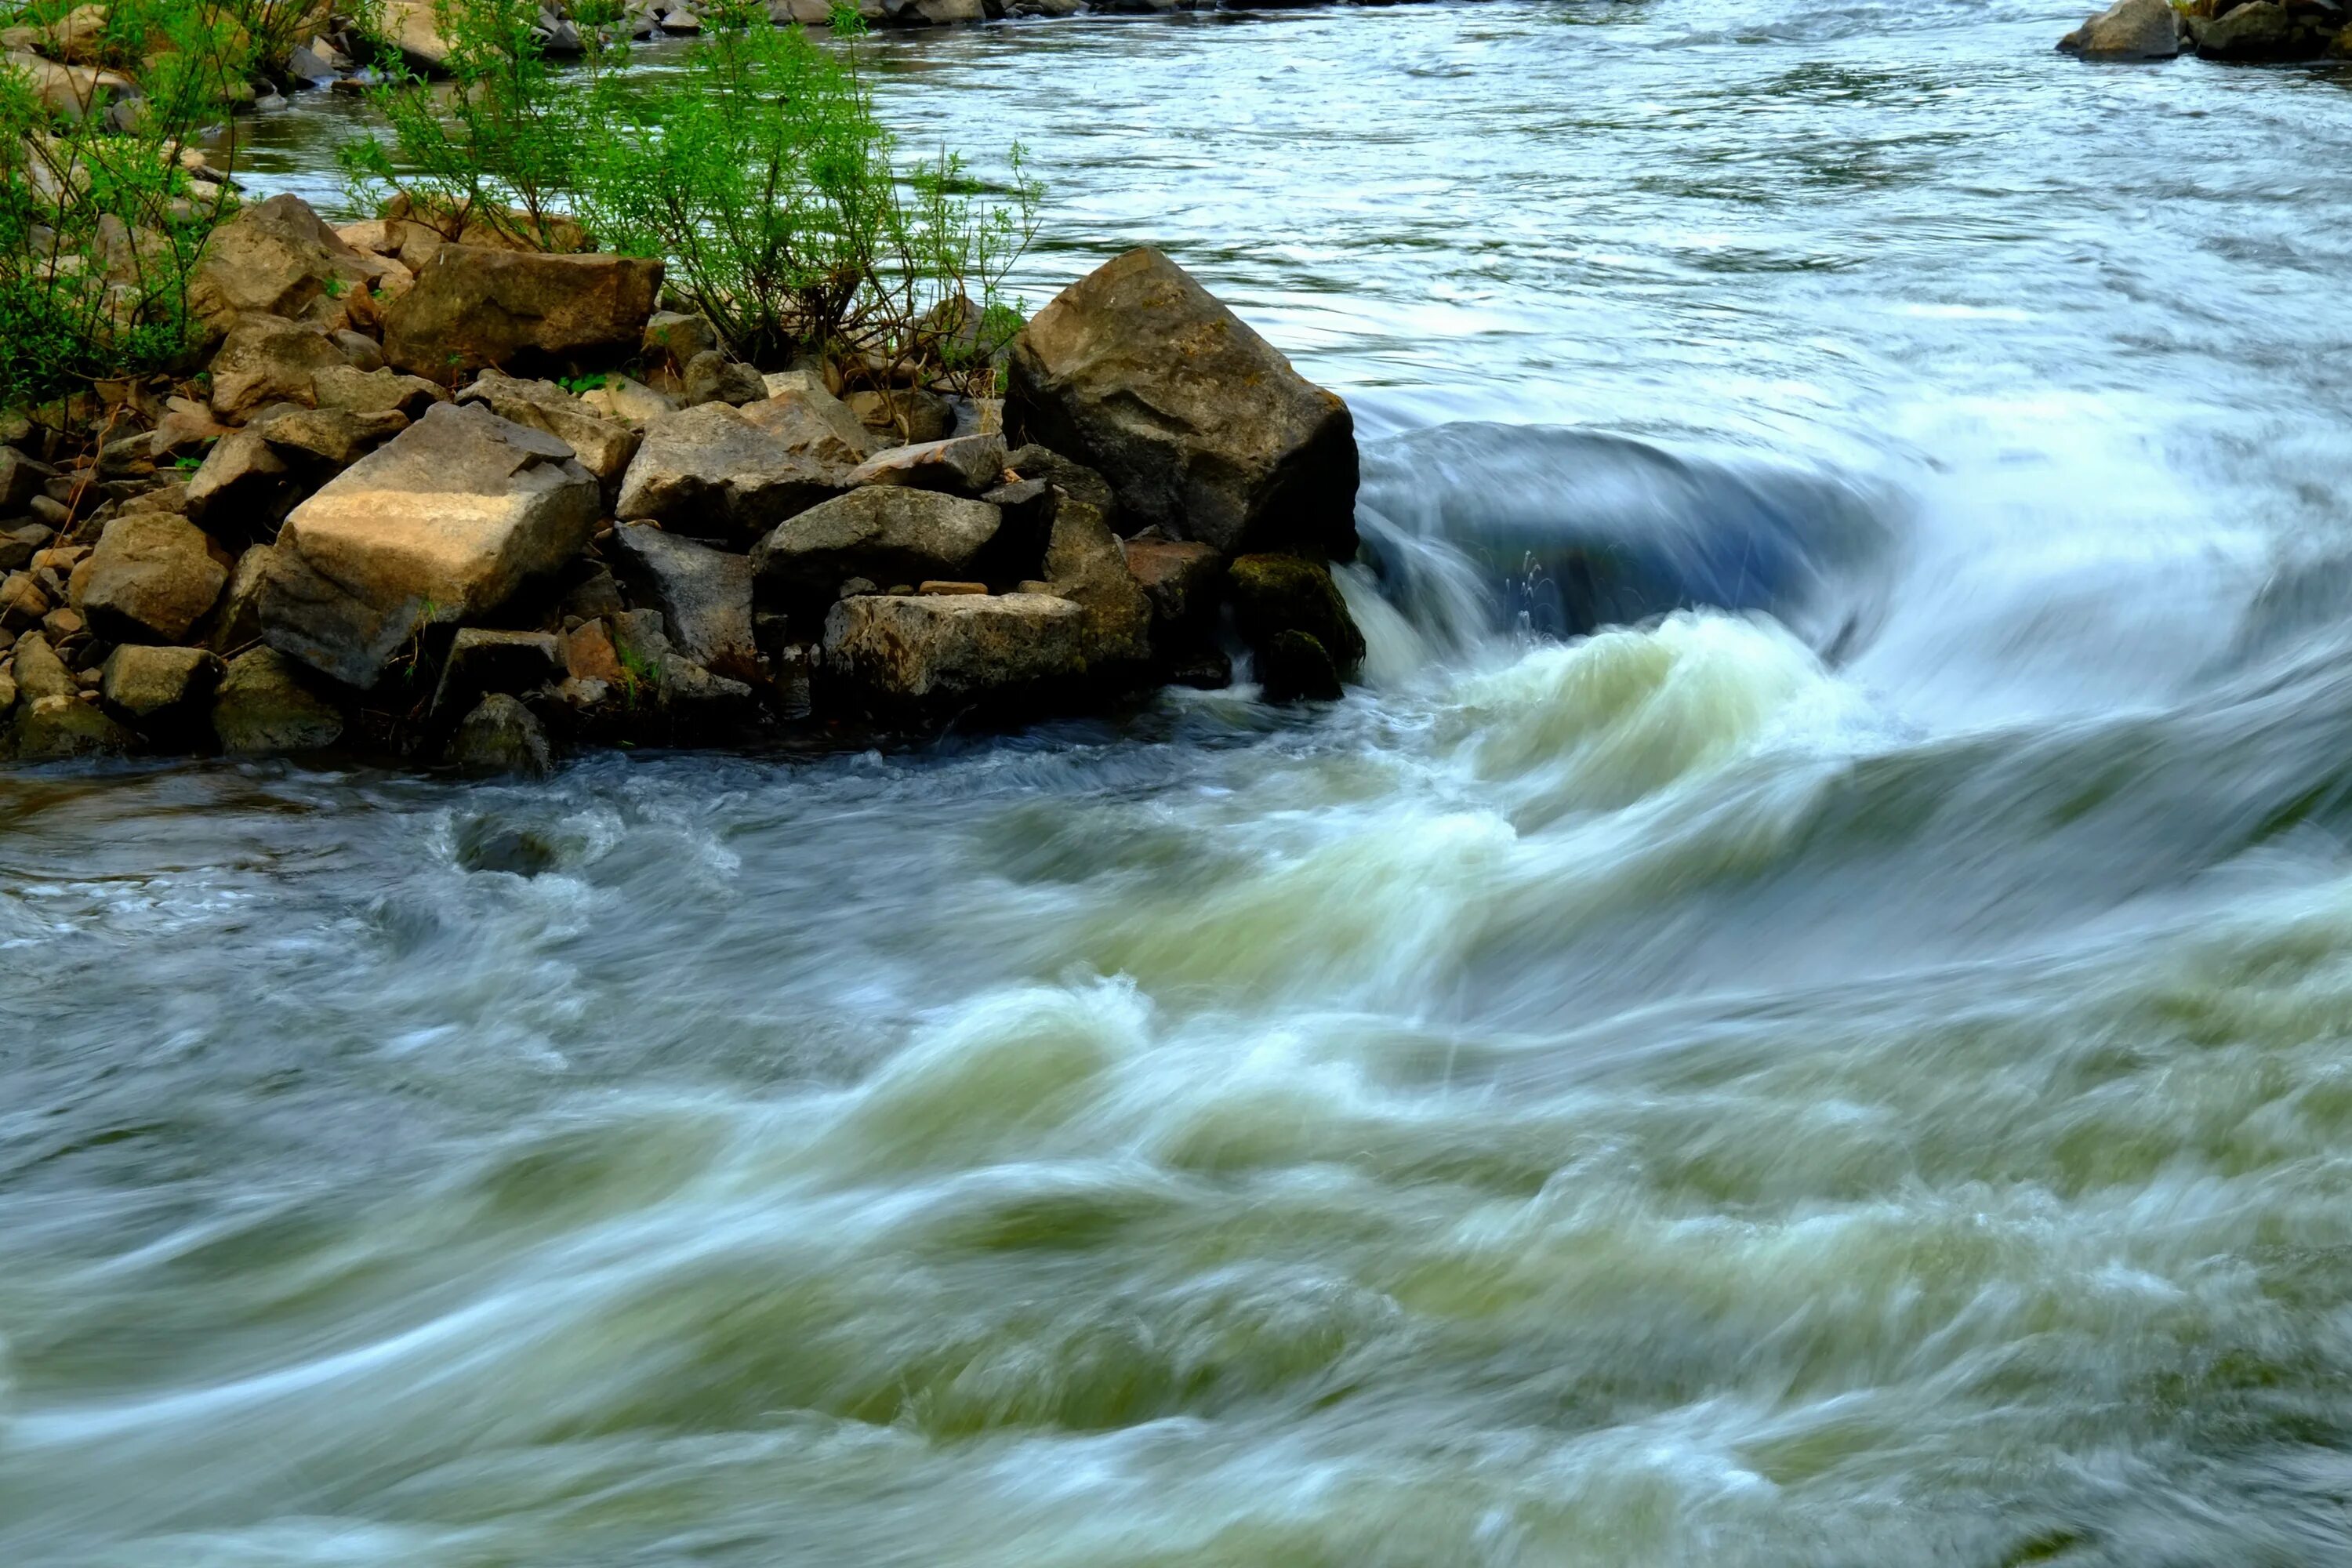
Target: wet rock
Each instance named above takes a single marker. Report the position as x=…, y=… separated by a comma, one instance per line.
x=1084, y=564
x=1275, y=593
x=704, y=595
x=152, y=577
x=963, y=465
x=921, y=651
x=265, y=703
x=602, y=445
x=501, y=736
x=2128, y=30
x=713, y=473
x=268, y=360
x=275, y=258
x=474, y=306
x=52, y=723
x=908, y=414
x=485, y=844
x=883, y=533
x=1182, y=578
x=712, y=377
x=1294, y=666
x=157, y=686
x=442, y=525
x=481, y=661
x=2265, y=30
x=1199, y=424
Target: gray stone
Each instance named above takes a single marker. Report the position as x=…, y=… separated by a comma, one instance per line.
x=713, y=473
x=500, y=735
x=481, y=661
x=151, y=578
x=881, y=533
x=243, y=485
x=925, y=650
x=1084, y=563
x=1273, y=593
x=907, y=414
x=712, y=377
x=704, y=595
x=1182, y=578
x=442, y=525
x=374, y=391
x=1199, y=424
x=602, y=445
x=677, y=337
x=21, y=478
x=52, y=723
x=962, y=465
x=327, y=437
x=266, y=704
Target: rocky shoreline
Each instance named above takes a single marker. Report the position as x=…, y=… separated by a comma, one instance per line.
x=2268, y=32
x=450, y=502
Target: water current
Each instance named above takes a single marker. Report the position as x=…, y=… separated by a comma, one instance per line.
x=1850, y=1065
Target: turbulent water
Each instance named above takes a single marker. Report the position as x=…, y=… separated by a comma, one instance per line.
x=1850, y=1066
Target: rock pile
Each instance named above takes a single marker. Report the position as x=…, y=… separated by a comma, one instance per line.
x=2241, y=30
x=496, y=503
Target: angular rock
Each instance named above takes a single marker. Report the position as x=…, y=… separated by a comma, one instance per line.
x=2263, y=30
x=1294, y=666
x=2128, y=30
x=268, y=360
x=677, y=337
x=275, y=258
x=70, y=92
x=712, y=473
x=882, y=532
x=152, y=577
x=237, y=618
x=265, y=703
x=911, y=416
x=39, y=671
x=815, y=424
x=895, y=650
x=1084, y=563
x=327, y=437
x=712, y=377
x=963, y=465
x=52, y=723
x=22, y=602
x=21, y=480
x=482, y=661
x=441, y=525
x=360, y=351
x=630, y=401
x=1199, y=424
x=410, y=27
x=501, y=736
x=1273, y=593
x=374, y=391
x=602, y=445
x=1182, y=578
x=474, y=306
x=704, y=595
x=152, y=685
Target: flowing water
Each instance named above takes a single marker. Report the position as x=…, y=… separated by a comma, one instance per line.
x=1852, y=1066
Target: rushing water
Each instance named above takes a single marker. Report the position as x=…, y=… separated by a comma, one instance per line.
x=1856, y=1071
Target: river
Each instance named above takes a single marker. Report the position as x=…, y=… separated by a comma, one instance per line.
x=1856, y=1071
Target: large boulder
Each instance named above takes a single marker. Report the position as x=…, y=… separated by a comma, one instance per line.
x=475, y=306
x=268, y=703
x=275, y=258
x=151, y=578
x=881, y=534
x=713, y=472
x=2266, y=30
x=1199, y=424
x=413, y=27
x=926, y=650
x=1181, y=578
x=2128, y=30
x=704, y=595
x=442, y=525
x=602, y=445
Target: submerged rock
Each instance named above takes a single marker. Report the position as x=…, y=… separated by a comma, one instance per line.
x=442, y=525
x=1201, y=425
x=1294, y=666
x=500, y=735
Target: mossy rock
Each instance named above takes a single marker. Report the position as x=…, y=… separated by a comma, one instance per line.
x=1275, y=594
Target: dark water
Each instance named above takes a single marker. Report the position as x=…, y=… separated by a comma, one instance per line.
x=1853, y=1071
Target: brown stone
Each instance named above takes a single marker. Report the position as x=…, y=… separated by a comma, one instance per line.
x=152, y=577
x=473, y=307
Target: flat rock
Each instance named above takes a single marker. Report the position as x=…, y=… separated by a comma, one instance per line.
x=704, y=595
x=712, y=472
x=1199, y=424
x=963, y=465
x=328, y=437
x=921, y=650
x=603, y=445
x=883, y=533
x=152, y=577
x=265, y=703
x=474, y=306
x=443, y=524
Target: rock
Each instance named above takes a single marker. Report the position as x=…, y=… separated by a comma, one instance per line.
x=70, y=92
x=269, y=359
x=631, y=402
x=813, y=423
x=359, y=350
x=712, y=473
x=2263, y=30
x=1181, y=578
x=18, y=545
x=602, y=445
x=704, y=595
x=483, y=661
x=152, y=577
x=327, y=437
x=501, y=736
x=410, y=27
x=908, y=414
x=52, y=723
x=243, y=486
x=712, y=377
x=474, y=306
x=1292, y=666
x=882, y=532
x=1086, y=566
x=21, y=480
x=306, y=67
x=589, y=654
x=442, y=525
x=63, y=624
x=22, y=602
x=158, y=684
x=902, y=650
x=275, y=258
x=39, y=671
x=1275, y=594
x=265, y=703
x=374, y=391
x=680, y=688
x=1199, y=424
x=185, y=429
x=677, y=337
x=963, y=465
x=2128, y=30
